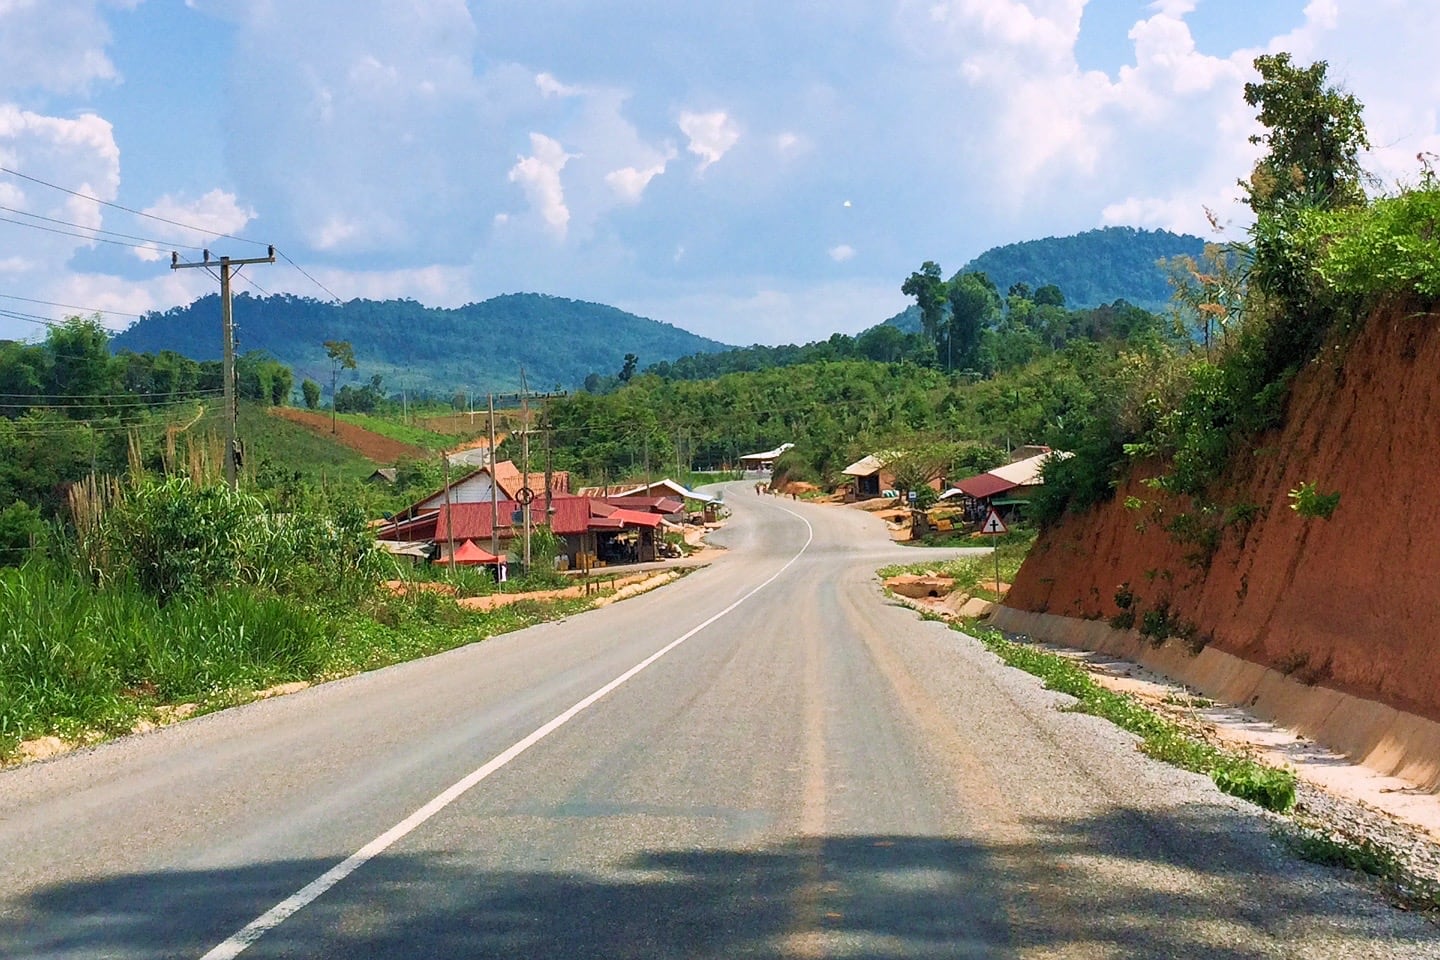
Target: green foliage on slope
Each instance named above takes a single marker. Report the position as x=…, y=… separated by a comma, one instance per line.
x=1094, y=267
x=427, y=349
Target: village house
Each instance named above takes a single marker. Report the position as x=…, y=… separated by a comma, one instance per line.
x=1007, y=488
x=590, y=530
x=871, y=477
x=764, y=461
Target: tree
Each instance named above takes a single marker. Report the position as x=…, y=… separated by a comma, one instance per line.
x=974, y=306
x=1049, y=296
x=341, y=355
x=929, y=290
x=628, y=370
x=920, y=463
x=80, y=368
x=311, y=390
x=1314, y=134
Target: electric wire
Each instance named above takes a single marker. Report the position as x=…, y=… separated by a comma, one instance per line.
x=284, y=256
x=138, y=213
x=149, y=216
x=149, y=243
x=158, y=244
x=70, y=306
x=78, y=236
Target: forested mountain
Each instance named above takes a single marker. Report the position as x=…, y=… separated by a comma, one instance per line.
x=481, y=346
x=1094, y=267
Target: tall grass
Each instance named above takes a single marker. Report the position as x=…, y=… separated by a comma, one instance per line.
x=74, y=657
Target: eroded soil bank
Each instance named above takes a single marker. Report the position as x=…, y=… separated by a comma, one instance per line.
x=1350, y=603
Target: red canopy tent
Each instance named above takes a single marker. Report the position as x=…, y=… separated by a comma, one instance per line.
x=469, y=554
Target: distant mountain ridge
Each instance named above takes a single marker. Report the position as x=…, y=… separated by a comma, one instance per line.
x=1091, y=268
x=480, y=346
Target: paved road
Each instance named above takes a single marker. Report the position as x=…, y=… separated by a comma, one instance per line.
x=804, y=771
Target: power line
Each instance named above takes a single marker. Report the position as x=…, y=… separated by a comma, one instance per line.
x=307, y=276
x=159, y=244
x=70, y=306
x=80, y=236
x=149, y=216
x=62, y=428
x=108, y=400
x=116, y=206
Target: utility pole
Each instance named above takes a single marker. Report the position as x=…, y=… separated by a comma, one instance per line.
x=525, y=465
x=494, y=492
x=549, y=471
x=449, y=513
x=227, y=325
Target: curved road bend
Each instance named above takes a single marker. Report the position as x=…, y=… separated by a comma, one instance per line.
x=810, y=772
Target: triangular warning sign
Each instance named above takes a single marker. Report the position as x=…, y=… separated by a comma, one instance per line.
x=993, y=523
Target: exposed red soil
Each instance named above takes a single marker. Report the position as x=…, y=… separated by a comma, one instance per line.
x=1352, y=602
x=367, y=443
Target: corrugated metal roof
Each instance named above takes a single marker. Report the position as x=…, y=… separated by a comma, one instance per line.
x=473, y=520
x=864, y=467
x=985, y=485
x=768, y=454
x=667, y=505
x=637, y=518
x=1027, y=472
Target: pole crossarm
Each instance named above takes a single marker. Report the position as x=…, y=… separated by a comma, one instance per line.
x=175, y=263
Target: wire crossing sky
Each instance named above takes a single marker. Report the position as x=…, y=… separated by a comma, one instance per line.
x=751, y=171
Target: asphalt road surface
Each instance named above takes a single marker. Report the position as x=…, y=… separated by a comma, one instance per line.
x=765, y=759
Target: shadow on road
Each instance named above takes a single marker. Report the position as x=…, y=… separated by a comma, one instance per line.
x=1096, y=887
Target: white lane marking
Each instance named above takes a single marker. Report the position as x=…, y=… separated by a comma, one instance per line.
x=237, y=942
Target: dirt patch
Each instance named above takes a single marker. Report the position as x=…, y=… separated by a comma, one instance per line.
x=916, y=587
x=402, y=587
x=367, y=443
x=491, y=601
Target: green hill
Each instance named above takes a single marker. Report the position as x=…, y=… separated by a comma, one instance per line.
x=1091, y=268
x=481, y=346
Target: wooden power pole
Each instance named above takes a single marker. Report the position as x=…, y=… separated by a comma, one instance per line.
x=227, y=326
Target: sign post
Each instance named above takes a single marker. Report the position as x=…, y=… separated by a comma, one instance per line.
x=994, y=527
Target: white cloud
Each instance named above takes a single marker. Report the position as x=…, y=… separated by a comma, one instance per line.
x=551, y=87
x=629, y=183
x=216, y=212
x=54, y=45
x=842, y=252
x=334, y=233
x=539, y=176
x=712, y=135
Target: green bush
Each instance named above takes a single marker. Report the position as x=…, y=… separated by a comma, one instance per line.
x=173, y=537
x=1268, y=787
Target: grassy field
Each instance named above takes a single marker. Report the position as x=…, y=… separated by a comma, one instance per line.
x=293, y=448
x=413, y=433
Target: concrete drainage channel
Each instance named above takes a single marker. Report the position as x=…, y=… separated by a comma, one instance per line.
x=1345, y=812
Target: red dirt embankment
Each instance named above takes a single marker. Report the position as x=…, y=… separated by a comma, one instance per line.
x=367, y=443
x=1351, y=603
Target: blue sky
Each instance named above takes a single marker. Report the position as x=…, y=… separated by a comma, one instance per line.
x=752, y=171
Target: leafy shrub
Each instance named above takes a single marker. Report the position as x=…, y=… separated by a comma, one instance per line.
x=175, y=537
x=1268, y=787
x=1310, y=502
x=1390, y=247
x=21, y=527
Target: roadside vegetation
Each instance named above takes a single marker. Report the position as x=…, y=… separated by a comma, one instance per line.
x=164, y=594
